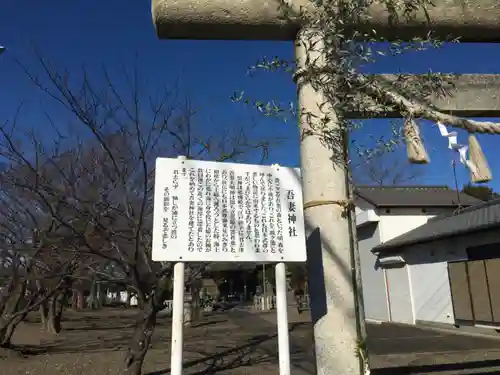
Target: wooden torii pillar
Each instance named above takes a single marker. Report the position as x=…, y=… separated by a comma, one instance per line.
x=329, y=245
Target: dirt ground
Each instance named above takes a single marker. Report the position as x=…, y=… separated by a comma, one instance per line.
x=94, y=342
x=236, y=343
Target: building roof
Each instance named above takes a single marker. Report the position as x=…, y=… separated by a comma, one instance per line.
x=473, y=219
x=414, y=196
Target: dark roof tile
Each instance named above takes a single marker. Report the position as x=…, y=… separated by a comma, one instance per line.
x=413, y=196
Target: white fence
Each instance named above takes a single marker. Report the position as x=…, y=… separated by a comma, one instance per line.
x=120, y=297
x=168, y=306
x=262, y=303
x=123, y=297
x=167, y=310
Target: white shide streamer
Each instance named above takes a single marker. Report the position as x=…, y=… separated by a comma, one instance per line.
x=455, y=146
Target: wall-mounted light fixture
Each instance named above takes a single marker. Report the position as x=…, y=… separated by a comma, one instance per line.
x=391, y=261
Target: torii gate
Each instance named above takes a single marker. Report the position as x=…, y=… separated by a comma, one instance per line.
x=333, y=303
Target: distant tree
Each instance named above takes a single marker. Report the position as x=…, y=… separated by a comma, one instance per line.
x=386, y=169
x=483, y=193
x=381, y=164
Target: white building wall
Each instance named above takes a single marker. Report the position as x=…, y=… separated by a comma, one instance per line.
x=428, y=270
x=400, y=280
x=419, y=291
x=392, y=223
x=398, y=284
x=430, y=284
x=400, y=302
x=372, y=277
x=401, y=220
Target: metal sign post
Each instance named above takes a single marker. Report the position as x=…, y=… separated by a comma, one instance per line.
x=176, y=355
x=282, y=319
x=264, y=288
x=225, y=212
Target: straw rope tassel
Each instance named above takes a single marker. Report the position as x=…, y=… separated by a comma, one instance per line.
x=414, y=145
x=481, y=172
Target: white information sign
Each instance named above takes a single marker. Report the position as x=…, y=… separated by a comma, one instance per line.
x=226, y=212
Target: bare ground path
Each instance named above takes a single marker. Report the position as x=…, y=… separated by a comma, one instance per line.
x=400, y=349
x=236, y=343
x=94, y=342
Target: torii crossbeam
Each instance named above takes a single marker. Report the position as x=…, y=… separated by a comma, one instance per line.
x=472, y=20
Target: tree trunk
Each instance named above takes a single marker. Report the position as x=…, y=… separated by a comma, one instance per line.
x=55, y=310
x=195, y=305
x=7, y=293
x=7, y=333
x=44, y=314
x=141, y=340
x=196, y=311
x=98, y=296
x=52, y=324
x=93, y=303
x=78, y=300
x=145, y=325
x=73, y=300
x=140, y=302
x=11, y=306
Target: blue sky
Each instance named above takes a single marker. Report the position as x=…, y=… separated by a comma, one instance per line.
x=94, y=33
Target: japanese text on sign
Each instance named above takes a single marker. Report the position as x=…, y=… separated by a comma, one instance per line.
x=208, y=212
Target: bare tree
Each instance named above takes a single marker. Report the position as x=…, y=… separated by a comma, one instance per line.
x=386, y=169
x=34, y=273
x=379, y=162
x=100, y=189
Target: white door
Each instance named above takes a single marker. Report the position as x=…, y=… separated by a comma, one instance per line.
x=398, y=286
